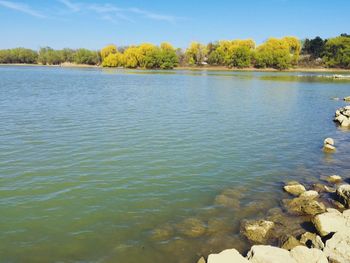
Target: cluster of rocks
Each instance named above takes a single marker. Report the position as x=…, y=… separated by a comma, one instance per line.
x=342, y=116
x=329, y=243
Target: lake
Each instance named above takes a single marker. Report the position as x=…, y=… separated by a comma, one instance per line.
x=107, y=165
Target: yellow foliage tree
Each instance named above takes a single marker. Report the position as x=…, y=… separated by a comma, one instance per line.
x=294, y=48
x=110, y=49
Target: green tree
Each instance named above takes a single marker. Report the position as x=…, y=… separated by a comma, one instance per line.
x=18, y=55
x=314, y=47
x=337, y=52
x=168, y=58
x=274, y=53
x=85, y=56
x=239, y=56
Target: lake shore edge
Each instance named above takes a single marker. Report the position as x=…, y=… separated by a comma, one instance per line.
x=321, y=212
x=201, y=68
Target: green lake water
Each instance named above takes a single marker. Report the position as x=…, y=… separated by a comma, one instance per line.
x=94, y=162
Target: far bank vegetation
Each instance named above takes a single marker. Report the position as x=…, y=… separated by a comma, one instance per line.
x=279, y=53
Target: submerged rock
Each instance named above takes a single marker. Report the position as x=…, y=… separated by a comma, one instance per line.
x=192, y=227
x=303, y=254
x=257, y=230
x=343, y=193
x=311, y=240
x=269, y=254
x=227, y=201
x=229, y=198
x=217, y=225
x=294, y=188
x=227, y=256
x=329, y=148
x=338, y=247
x=285, y=225
x=163, y=233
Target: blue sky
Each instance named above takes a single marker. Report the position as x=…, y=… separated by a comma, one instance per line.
x=95, y=23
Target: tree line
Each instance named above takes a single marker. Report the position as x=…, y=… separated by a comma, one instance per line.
x=278, y=53
x=49, y=56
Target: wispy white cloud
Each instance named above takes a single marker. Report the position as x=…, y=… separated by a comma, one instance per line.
x=110, y=12
x=75, y=7
x=20, y=7
x=154, y=16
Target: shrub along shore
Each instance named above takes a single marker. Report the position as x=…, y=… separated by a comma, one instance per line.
x=275, y=53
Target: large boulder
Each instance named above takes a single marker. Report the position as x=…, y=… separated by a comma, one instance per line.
x=303, y=254
x=343, y=193
x=269, y=254
x=345, y=123
x=342, y=116
x=332, y=221
x=257, y=230
x=311, y=240
x=294, y=188
x=338, y=247
x=227, y=256
x=347, y=98
x=304, y=206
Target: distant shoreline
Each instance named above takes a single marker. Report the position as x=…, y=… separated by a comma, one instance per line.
x=199, y=68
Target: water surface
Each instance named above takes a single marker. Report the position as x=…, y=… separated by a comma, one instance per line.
x=93, y=162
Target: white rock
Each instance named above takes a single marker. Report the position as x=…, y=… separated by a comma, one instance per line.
x=330, y=222
x=269, y=254
x=303, y=254
x=345, y=123
x=294, y=189
x=343, y=193
x=227, y=256
x=340, y=118
x=309, y=194
x=328, y=141
x=338, y=247
x=346, y=113
x=337, y=113
x=332, y=210
x=347, y=107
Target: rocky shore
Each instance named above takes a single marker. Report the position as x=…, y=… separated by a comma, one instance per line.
x=312, y=226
